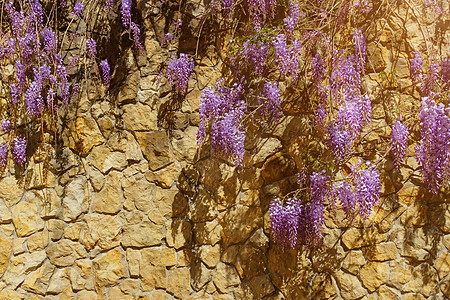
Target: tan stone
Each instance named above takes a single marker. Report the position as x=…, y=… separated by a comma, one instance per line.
x=442, y=264
x=116, y=293
x=239, y=222
x=323, y=287
x=97, y=178
x=424, y=280
x=419, y=243
x=55, y=228
x=178, y=282
x=185, y=257
x=164, y=200
x=373, y=274
x=58, y=282
x=50, y=203
x=350, y=286
x=64, y=252
x=7, y=229
x=38, y=281
x=108, y=269
x=185, y=149
x=67, y=294
x=204, y=207
x=445, y=287
x=385, y=292
x=142, y=234
x=416, y=215
x=200, y=275
x=39, y=176
x=88, y=295
x=152, y=277
x=158, y=256
x=381, y=252
x=225, y=278
x=250, y=198
x=206, y=232
x=84, y=268
x=110, y=198
x=26, y=219
x=104, y=159
x=141, y=193
x=76, y=199
x=252, y=262
x=20, y=266
x=100, y=230
x=410, y=193
x=10, y=295
x=210, y=255
x=353, y=261
x=72, y=232
x=357, y=237
x=88, y=134
x=38, y=241
x=128, y=91
x=439, y=214
x=400, y=273
x=166, y=176
x=133, y=259
x=446, y=241
x=261, y=286
x=5, y=252
x=18, y=246
x=160, y=295
x=11, y=190
x=156, y=148
x=179, y=233
x=5, y=215
x=130, y=286
x=139, y=117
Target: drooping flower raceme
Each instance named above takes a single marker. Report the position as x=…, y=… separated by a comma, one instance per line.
x=399, y=137
x=344, y=192
x=78, y=9
x=6, y=125
x=285, y=221
x=179, y=71
x=367, y=187
x=222, y=111
x=433, y=153
x=270, y=100
x=106, y=72
x=416, y=66
x=19, y=149
x=429, y=81
x=287, y=57
x=3, y=154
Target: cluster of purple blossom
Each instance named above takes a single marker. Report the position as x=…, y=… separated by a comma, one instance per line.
x=251, y=57
x=221, y=113
x=433, y=153
x=261, y=10
x=287, y=57
x=19, y=149
x=367, y=186
x=354, y=109
x=293, y=18
x=285, y=220
x=179, y=71
x=270, y=101
x=399, y=137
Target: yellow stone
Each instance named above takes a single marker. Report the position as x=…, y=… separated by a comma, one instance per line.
x=381, y=252
x=373, y=274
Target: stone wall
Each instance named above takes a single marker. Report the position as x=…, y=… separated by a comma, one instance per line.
x=127, y=206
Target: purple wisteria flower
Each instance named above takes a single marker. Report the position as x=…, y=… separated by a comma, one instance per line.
x=416, y=66
x=433, y=153
x=179, y=71
x=287, y=57
x=91, y=46
x=294, y=17
x=223, y=111
x=6, y=125
x=125, y=11
x=3, y=154
x=399, y=138
x=78, y=9
x=285, y=221
x=344, y=192
x=367, y=187
x=19, y=149
x=106, y=72
x=429, y=81
x=270, y=101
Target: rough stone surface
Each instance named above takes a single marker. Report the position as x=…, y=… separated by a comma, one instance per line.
x=108, y=269
x=373, y=274
x=26, y=219
x=349, y=285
